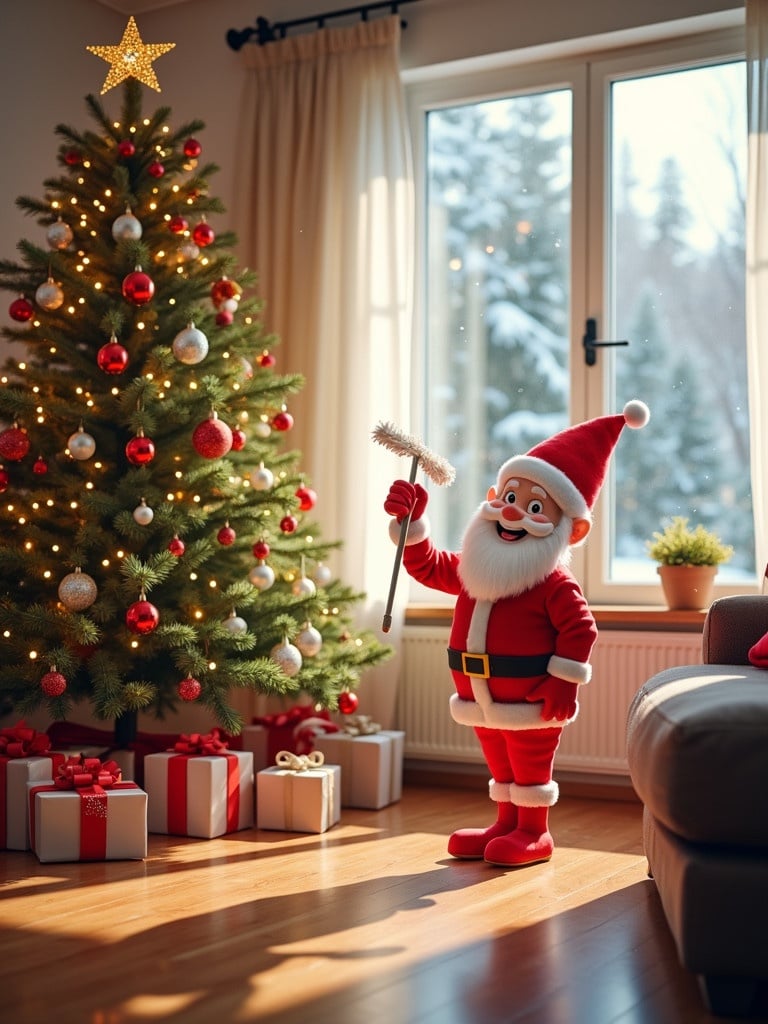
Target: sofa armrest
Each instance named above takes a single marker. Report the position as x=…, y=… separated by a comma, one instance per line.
x=733, y=624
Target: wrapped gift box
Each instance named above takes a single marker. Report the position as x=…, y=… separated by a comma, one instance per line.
x=298, y=794
x=91, y=821
x=201, y=795
x=25, y=756
x=371, y=766
x=293, y=730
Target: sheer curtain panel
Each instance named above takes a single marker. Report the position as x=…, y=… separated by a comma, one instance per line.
x=325, y=218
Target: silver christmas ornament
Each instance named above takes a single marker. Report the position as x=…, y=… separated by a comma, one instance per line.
x=127, y=228
x=262, y=576
x=59, y=235
x=262, y=478
x=190, y=346
x=81, y=445
x=143, y=514
x=304, y=587
x=49, y=296
x=323, y=575
x=262, y=429
x=188, y=252
x=287, y=657
x=235, y=625
x=309, y=641
x=77, y=591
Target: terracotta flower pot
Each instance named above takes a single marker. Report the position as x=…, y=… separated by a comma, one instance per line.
x=687, y=587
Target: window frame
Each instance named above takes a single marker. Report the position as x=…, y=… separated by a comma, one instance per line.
x=588, y=74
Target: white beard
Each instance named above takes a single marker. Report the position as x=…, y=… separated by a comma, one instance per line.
x=491, y=568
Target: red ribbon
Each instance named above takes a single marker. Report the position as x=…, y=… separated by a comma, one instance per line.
x=90, y=778
x=287, y=730
x=198, y=745
x=19, y=741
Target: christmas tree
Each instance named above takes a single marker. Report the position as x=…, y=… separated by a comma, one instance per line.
x=156, y=541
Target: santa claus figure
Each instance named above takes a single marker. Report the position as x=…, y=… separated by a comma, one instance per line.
x=522, y=631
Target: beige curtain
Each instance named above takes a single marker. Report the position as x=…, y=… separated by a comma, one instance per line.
x=757, y=265
x=326, y=221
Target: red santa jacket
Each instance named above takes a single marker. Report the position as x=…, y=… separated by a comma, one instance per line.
x=549, y=625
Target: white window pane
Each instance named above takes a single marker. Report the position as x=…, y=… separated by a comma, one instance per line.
x=678, y=188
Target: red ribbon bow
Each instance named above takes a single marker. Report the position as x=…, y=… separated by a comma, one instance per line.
x=205, y=744
x=79, y=772
x=21, y=741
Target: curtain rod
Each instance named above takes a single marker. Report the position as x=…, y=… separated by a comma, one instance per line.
x=265, y=32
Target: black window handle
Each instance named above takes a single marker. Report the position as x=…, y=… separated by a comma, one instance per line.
x=591, y=344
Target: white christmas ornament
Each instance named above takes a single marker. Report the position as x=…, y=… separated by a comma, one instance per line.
x=304, y=587
x=323, y=575
x=190, y=346
x=262, y=429
x=81, y=445
x=188, y=251
x=309, y=641
x=262, y=478
x=77, y=591
x=235, y=625
x=59, y=235
x=126, y=228
x=262, y=576
x=143, y=514
x=287, y=657
x=49, y=296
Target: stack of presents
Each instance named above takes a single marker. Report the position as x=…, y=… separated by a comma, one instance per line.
x=291, y=772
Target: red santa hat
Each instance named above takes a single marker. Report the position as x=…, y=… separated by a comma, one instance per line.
x=571, y=466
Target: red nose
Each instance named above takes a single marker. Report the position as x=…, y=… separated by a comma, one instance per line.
x=513, y=513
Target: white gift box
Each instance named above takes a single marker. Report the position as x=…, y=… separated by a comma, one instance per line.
x=371, y=766
x=18, y=772
x=199, y=795
x=57, y=818
x=306, y=800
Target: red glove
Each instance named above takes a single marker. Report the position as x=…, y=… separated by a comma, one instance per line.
x=405, y=497
x=559, y=697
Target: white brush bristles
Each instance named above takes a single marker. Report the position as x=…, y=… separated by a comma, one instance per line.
x=436, y=467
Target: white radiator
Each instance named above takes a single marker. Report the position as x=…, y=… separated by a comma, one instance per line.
x=622, y=660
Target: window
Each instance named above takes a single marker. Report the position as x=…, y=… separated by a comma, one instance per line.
x=607, y=190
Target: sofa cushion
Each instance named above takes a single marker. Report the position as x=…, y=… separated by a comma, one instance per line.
x=697, y=748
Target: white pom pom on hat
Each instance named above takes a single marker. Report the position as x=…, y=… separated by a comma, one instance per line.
x=572, y=465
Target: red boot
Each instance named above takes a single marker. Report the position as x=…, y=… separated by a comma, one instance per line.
x=530, y=843
x=470, y=843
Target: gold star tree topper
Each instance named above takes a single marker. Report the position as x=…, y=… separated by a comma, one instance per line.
x=131, y=58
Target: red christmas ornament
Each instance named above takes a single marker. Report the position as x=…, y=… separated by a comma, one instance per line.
x=282, y=421
x=348, y=702
x=189, y=688
x=261, y=550
x=176, y=546
x=53, y=684
x=226, y=536
x=112, y=357
x=21, y=310
x=224, y=318
x=266, y=359
x=203, y=234
x=138, y=287
x=126, y=148
x=4, y=480
x=156, y=169
x=224, y=289
x=192, y=148
x=40, y=466
x=140, y=450
x=142, y=617
x=212, y=438
x=238, y=440
x=73, y=157
x=178, y=224
x=14, y=444
x=288, y=524
x=307, y=498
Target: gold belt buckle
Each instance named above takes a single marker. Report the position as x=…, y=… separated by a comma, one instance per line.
x=475, y=665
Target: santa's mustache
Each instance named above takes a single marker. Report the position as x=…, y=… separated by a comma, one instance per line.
x=536, y=527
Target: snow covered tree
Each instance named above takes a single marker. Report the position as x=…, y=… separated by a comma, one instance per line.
x=156, y=541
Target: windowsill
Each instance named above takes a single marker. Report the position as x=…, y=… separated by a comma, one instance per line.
x=631, y=617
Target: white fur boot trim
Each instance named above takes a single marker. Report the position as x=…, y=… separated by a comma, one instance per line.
x=499, y=791
x=534, y=796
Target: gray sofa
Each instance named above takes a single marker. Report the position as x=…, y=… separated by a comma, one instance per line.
x=697, y=748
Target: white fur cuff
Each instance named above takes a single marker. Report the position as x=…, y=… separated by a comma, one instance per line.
x=572, y=671
x=418, y=530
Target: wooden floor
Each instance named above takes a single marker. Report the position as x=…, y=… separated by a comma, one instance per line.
x=370, y=922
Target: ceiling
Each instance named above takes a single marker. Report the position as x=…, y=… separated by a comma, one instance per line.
x=137, y=7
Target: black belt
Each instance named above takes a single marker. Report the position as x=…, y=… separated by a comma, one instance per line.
x=486, y=665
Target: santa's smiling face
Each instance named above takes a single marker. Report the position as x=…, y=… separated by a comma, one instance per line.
x=515, y=539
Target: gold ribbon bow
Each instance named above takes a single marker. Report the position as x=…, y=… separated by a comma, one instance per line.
x=361, y=725
x=299, y=762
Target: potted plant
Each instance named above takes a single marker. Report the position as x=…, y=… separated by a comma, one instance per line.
x=688, y=558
